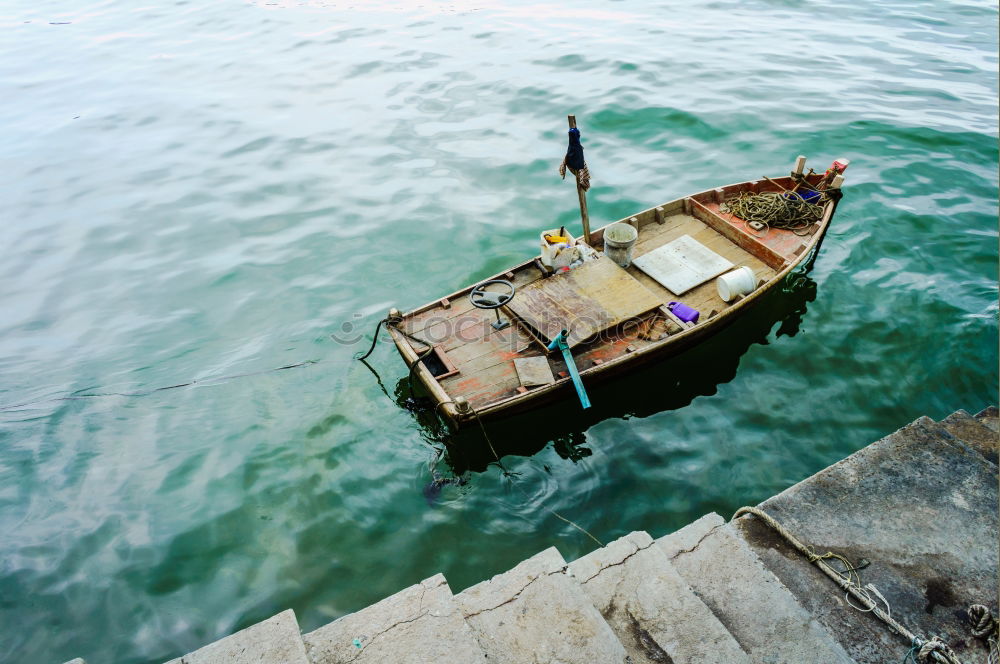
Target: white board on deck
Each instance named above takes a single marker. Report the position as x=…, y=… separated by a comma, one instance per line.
x=682, y=264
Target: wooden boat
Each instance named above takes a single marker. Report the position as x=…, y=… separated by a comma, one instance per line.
x=617, y=317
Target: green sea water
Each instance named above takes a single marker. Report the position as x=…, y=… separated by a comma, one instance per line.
x=196, y=194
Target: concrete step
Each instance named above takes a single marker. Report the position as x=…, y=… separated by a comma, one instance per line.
x=973, y=433
x=763, y=616
x=537, y=613
x=651, y=608
x=990, y=417
x=419, y=624
x=922, y=508
x=276, y=640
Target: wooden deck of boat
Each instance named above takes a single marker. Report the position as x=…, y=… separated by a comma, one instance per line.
x=705, y=297
x=484, y=356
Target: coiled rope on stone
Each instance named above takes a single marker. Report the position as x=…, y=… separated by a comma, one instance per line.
x=985, y=627
x=922, y=650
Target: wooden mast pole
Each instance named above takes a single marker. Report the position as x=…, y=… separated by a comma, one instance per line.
x=582, y=195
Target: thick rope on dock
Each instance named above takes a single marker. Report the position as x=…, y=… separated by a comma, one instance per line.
x=985, y=627
x=921, y=650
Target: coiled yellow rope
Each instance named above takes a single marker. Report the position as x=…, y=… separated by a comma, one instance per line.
x=787, y=211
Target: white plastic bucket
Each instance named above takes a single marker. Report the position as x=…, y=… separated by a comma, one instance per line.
x=740, y=281
x=618, y=242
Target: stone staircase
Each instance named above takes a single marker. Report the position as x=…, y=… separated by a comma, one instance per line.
x=920, y=505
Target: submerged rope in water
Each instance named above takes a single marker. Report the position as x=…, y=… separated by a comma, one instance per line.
x=190, y=383
x=512, y=476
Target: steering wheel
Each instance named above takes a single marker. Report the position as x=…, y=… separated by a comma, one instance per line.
x=484, y=299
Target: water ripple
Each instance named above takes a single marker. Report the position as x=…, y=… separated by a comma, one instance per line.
x=208, y=191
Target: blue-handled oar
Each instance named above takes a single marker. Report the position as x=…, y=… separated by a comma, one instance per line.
x=561, y=343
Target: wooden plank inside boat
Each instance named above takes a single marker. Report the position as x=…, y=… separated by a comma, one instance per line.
x=533, y=371
x=587, y=300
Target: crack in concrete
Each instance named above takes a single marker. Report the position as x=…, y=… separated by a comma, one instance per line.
x=420, y=602
x=518, y=593
x=698, y=543
x=420, y=614
x=387, y=629
x=620, y=562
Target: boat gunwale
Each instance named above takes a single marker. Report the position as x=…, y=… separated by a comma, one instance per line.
x=445, y=401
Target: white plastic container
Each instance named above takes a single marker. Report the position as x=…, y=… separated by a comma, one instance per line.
x=558, y=255
x=741, y=281
x=618, y=242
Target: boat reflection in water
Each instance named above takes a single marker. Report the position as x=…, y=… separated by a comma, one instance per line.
x=662, y=386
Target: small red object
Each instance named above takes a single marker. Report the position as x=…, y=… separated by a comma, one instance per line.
x=563, y=374
x=838, y=167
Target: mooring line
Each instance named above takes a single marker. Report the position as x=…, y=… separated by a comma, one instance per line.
x=512, y=476
x=922, y=650
x=203, y=381
x=507, y=474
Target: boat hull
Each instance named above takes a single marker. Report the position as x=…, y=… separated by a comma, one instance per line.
x=458, y=414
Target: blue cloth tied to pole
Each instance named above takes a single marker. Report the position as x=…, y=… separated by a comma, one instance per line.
x=574, y=161
x=574, y=153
